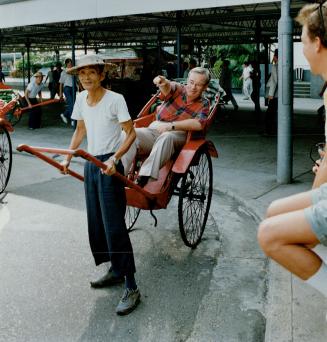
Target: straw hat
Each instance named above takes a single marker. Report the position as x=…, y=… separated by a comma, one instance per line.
x=85, y=61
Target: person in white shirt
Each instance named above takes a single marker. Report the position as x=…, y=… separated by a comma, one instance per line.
x=34, y=89
x=66, y=88
x=272, y=96
x=247, y=81
x=101, y=115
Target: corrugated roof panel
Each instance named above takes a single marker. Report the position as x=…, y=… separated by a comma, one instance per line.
x=32, y=12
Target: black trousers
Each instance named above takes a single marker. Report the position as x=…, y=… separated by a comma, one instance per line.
x=106, y=206
x=34, y=115
x=271, y=116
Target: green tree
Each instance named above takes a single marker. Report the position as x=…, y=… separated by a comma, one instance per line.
x=237, y=55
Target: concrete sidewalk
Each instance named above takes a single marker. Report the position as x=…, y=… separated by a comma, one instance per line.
x=246, y=170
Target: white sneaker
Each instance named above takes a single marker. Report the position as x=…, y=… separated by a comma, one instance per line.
x=63, y=118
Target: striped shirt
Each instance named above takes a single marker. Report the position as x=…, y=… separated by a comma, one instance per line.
x=176, y=108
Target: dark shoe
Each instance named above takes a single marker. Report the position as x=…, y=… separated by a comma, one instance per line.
x=129, y=301
x=142, y=180
x=107, y=280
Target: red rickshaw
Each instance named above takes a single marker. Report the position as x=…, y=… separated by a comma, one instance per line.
x=187, y=175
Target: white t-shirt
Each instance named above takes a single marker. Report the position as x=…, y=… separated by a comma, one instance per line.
x=102, y=121
x=247, y=72
x=66, y=79
x=34, y=89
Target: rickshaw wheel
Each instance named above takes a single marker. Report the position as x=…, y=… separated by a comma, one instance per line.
x=131, y=216
x=13, y=117
x=5, y=158
x=195, y=199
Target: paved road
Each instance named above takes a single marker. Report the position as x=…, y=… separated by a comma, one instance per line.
x=213, y=293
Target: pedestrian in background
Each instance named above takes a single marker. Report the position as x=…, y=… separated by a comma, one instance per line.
x=34, y=89
x=191, y=65
x=294, y=234
x=66, y=88
x=225, y=81
x=247, y=81
x=2, y=76
x=56, y=77
x=51, y=86
x=255, y=96
x=272, y=96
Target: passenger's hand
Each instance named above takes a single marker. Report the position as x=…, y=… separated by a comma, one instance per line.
x=111, y=168
x=270, y=98
x=164, y=127
x=65, y=163
x=160, y=81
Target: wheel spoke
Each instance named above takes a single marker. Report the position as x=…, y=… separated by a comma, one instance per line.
x=194, y=199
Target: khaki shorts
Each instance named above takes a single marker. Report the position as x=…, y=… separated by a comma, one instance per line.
x=317, y=213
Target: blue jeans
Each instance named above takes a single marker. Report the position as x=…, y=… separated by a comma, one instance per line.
x=68, y=92
x=106, y=205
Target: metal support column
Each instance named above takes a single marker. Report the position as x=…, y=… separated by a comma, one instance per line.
x=178, y=42
x=85, y=42
x=159, y=48
x=258, y=38
x=57, y=55
x=285, y=95
x=72, y=32
x=199, y=52
x=0, y=49
x=23, y=58
x=28, y=46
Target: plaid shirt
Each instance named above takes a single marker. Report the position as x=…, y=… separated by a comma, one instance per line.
x=176, y=108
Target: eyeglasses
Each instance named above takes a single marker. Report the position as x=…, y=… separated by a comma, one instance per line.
x=196, y=85
x=322, y=21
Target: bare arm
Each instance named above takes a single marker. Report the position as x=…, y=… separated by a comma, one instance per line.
x=183, y=125
x=27, y=92
x=130, y=136
x=75, y=142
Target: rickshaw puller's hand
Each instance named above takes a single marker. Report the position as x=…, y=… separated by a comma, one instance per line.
x=111, y=168
x=65, y=163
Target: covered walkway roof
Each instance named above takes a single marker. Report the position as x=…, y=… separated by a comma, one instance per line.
x=50, y=25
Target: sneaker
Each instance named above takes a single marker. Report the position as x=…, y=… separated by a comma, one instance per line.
x=128, y=302
x=63, y=118
x=107, y=280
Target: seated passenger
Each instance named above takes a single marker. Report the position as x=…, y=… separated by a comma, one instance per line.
x=183, y=109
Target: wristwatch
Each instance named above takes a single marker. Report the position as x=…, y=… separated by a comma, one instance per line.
x=114, y=159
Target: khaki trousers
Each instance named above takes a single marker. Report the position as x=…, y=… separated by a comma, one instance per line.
x=160, y=147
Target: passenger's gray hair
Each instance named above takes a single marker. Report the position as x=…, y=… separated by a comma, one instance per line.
x=202, y=71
